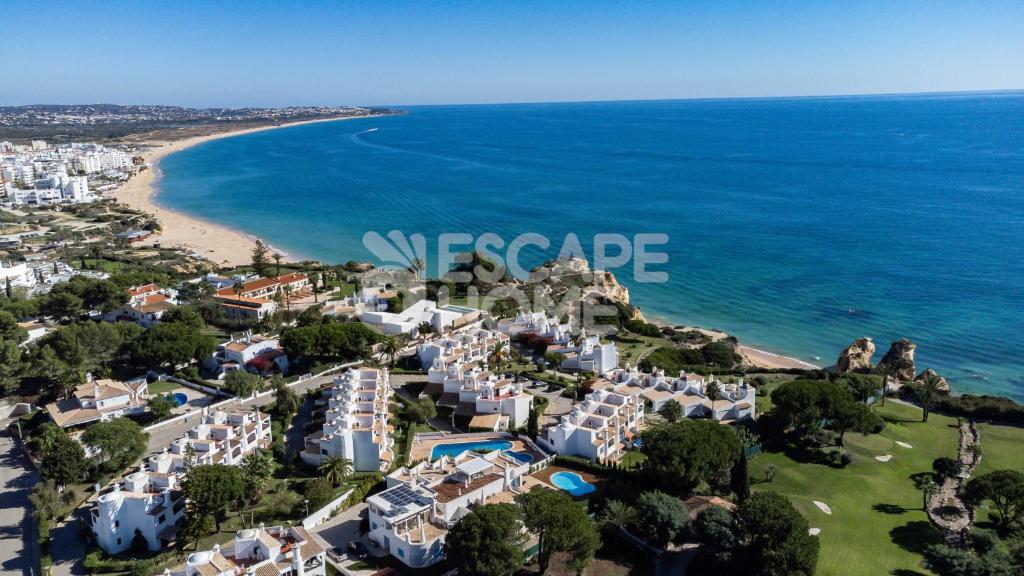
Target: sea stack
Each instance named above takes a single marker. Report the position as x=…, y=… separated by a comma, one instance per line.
x=856, y=357
x=899, y=360
x=943, y=385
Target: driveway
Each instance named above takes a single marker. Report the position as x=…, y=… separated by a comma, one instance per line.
x=19, y=554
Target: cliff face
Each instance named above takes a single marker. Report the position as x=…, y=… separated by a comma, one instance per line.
x=899, y=360
x=943, y=385
x=856, y=357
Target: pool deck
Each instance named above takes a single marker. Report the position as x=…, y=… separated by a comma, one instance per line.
x=422, y=450
x=544, y=476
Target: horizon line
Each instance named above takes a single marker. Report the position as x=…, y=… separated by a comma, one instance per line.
x=569, y=101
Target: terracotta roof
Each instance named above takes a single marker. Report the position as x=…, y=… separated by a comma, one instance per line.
x=489, y=421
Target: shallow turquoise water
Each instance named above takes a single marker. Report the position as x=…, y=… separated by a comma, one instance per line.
x=460, y=447
x=796, y=224
x=572, y=483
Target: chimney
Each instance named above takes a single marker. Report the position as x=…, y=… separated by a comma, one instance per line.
x=297, y=567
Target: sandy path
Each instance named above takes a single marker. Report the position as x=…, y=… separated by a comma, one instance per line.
x=217, y=243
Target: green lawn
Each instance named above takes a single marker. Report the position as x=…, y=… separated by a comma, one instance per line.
x=162, y=387
x=877, y=525
x=1002, y=448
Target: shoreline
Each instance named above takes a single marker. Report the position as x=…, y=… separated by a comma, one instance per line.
x=226, y=246
x=220, y=244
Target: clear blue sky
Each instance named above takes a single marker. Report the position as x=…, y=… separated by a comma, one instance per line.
x=263, y=53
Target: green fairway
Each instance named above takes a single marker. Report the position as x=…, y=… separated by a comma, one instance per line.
x=1002, y=448
x=877, y=525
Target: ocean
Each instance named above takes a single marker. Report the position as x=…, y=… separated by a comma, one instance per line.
x=796, y=224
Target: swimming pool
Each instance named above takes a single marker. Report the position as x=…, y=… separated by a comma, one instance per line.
x=460, y=447
x=572, y=483
x=180, y=399
x=521, y=457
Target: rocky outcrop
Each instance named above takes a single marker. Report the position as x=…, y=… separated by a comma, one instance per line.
x=943, y=385
x=856, y=357
x=899, y=361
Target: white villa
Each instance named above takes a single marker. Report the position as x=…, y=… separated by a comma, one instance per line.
x=441, y=319
x=599, y=428
x=736, y=400
x=356, y=425
x=588, y=354
x=146, y=305
x=151, y=502
x=537, y=323
x=98, y=400
x=274, y=551
x=411, y=518
x=252, y=352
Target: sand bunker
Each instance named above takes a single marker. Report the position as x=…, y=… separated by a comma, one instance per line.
x=823, y=507
x=885, y=458
x=903, y=444
x=814, y=531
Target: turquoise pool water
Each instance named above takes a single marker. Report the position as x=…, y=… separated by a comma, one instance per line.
x=460, y=447
x=572, y=483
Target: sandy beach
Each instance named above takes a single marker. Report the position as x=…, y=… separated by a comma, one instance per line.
x=219, y=244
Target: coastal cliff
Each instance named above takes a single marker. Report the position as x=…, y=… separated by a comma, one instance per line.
x=899, y=361
x=856, y=357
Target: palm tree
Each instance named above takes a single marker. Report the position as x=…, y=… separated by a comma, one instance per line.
x=712, y=391
x=671, y=411
x=883, y=371
x=389, y=348
x=498, y=356
x=927, y=393
x=619, y=514
x=287, y=296
x=335, y=469
x=277, y=263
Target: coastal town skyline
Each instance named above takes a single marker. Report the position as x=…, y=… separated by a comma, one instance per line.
x=403, y=53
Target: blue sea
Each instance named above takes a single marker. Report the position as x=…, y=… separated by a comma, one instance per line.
x=795, y=224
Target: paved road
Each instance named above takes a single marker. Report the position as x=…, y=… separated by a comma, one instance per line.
x=171, y=432
x=19, y=555
x=66, y=547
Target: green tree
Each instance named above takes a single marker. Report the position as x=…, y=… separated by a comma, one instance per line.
x=119, y=443
x=560, y=524
x=286, y=402
x=161, y=406
x=1005, y=490
x=171, y=344
x=186, y=315
x=682, y=455
x=848, y=415
x=63, y=462
x=715, y=528
x=196, y=527
x=739, y=478
x=533, y=422
x=12, y=366
x=661, y=518
x=211, y=489
x=61, y=305
x=257, y=469
x=926, y=393
x=671, y=411
x=499, y=356
x=774, y=538
x=241, y=383
x=335, y=469
x=318, y=492
x=619, y=514
x=261, y=258
x=390, y=346
x=487, y=541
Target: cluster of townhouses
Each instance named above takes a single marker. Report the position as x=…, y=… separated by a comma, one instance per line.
x=355, y=422
x=440, y=318
x=255, y=299
x=41, y=174
x=537, y=324
x=412, y=516
x=456, y=367
x=150, y=501
x=600, y=428
x=699, y=397
x=38, y=276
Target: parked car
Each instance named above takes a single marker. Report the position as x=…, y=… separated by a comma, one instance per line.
x=337, y=554
x=358, y=550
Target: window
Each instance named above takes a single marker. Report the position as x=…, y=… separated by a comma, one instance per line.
x=373, y=526
x=401, y=553
x=161, y=518
x=117, y=524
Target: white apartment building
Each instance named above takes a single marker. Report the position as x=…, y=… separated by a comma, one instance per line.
x=736, y=400
x=356, y=422
x=600, y=428
x=472, y=344
x=472, y=389
x=100, y=400
x=411, y=518
x=151, y=502
x=588, y=354
x=253, y=352
x=19, y=274
x=274, y=551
